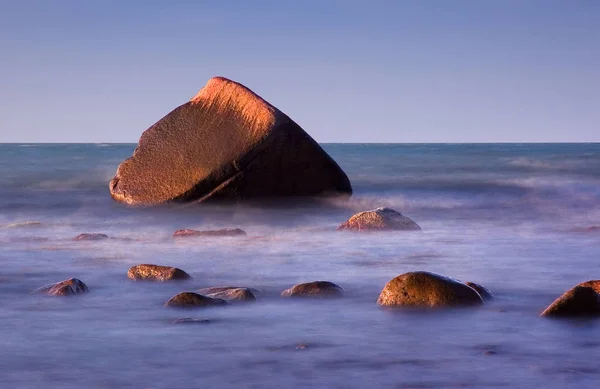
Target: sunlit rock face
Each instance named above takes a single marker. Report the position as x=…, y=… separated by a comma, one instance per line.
x=427, y=290
x=379, y=219
x=226, y=143
x=149, y=272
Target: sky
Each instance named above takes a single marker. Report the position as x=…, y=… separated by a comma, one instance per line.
x=346, y=71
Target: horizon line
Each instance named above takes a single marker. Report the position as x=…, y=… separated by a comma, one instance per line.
x=322, y=143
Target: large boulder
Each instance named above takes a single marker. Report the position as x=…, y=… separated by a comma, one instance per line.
x=380, y=219
x=226, y=143
x=581, y=300
x=424, y=289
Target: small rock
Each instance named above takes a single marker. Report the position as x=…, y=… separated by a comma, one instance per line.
x=193, y=300
x=222, y=232
x=380, y=219
x=581, y=300
x=189, y=320
x=148, y=272
x=91, y=236
x=483, y=291
x=229, y=293
x=424, y=289
x=314, y=289
x=68, y=287
x=302, y=346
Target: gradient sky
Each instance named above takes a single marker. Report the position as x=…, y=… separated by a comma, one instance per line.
x=346, y=71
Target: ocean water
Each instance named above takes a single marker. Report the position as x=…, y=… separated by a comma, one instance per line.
x=512, y=217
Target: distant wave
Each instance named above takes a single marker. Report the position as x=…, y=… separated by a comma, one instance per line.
x=528, y=162
x=561, y=165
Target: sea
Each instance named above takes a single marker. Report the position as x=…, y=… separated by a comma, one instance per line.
x=516, y=218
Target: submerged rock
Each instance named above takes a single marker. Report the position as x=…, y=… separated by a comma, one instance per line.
x=91, y=236
x=581, y=300
x=69, y=287
x=229, y=293
x=314, y=289
x=148, y=272
x=380, y=219
x=226, y=143
x=482, y=290
x=222, y=232
x=192, y=300
x=587, y=229
x=424, y=289
x=189, y=320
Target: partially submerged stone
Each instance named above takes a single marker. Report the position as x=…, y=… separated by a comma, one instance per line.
x=69, y=287
x=581, y=300
x=193, y=300
x=380, y=219
x=424, y=289
x=314, y=289
x=482, y=290
x=226, y=143
x=209, y=233
x=149, y=272
x=229, y=293
x=91, y=236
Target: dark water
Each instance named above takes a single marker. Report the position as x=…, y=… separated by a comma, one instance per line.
x=507, y=216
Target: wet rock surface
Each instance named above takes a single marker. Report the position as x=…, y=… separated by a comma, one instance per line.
x=315, y=289
x=209, y=233
x=226, y=143
x=581, y=300
x=90, y=236
x=149, y=272
x=380, y=219
x=424, y=289
x=193, y=300
x=482, y=290
x=70, y=287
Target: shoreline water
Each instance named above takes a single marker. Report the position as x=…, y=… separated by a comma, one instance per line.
x=500, y=215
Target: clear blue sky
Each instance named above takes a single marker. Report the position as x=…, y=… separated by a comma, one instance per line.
x=346, y=71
